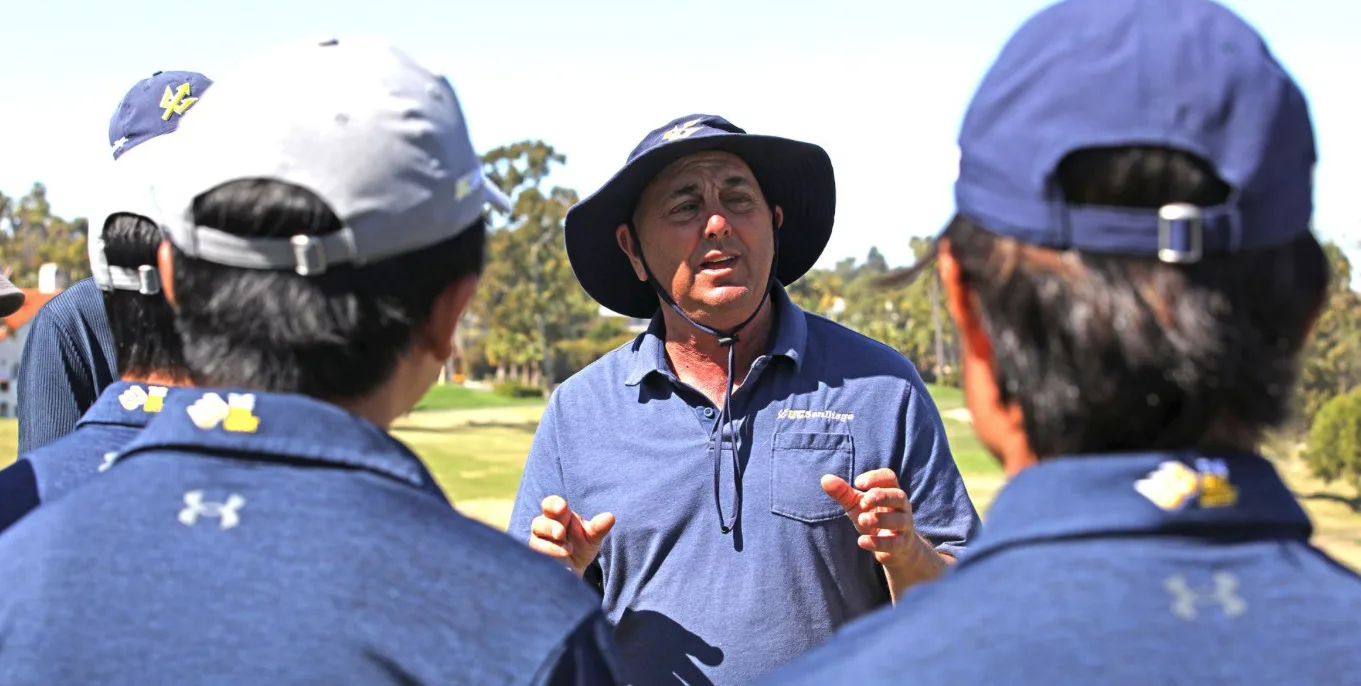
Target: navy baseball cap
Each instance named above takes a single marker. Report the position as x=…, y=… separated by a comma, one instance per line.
x=154, y=106
x=1183, y=74
x=375, y=135
x=794, y=175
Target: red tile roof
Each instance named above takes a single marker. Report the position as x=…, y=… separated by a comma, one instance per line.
x=33, y=301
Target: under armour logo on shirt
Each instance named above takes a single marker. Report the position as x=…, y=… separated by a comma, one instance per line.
x=227, y=513
x=1185, y=599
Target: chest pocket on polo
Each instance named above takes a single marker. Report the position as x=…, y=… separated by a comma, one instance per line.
x=797, y=463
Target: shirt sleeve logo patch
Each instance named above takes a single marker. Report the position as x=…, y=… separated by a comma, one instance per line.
x=235, y=414
x=1173, y=485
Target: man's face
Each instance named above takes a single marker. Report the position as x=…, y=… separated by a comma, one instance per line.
x=707, y=234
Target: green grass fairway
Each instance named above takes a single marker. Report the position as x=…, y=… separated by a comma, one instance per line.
x=475, y=444
x=454, y=397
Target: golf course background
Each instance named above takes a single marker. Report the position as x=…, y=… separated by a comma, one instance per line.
x=475, y=444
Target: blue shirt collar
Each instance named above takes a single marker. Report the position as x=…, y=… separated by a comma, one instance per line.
x=789, y=339
x=127, y=403
x=1172, y=493
x=278, y=427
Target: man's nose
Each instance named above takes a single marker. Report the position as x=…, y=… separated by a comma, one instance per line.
x=718, y=227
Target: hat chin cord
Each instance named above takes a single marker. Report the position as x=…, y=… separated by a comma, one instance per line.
x=727, y=339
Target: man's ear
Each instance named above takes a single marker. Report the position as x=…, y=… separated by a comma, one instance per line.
x=779, y=216
x=438, y=333
x=960, y=303
x=624, y=237
x=165, y=266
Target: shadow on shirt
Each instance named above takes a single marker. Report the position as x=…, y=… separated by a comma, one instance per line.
x=657, y=650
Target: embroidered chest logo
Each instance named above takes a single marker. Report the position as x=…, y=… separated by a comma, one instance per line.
x=227, y=513
x=235, y=414
x=1224, y=593
x=150, y=400
x=785, y=413
x=108, y=461
x=1173, y=485
x=680, y=131
x=176, y=101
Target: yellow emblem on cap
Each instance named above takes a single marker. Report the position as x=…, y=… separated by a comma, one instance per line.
x=1173, y=484
x=682, y=130
x=176, y=101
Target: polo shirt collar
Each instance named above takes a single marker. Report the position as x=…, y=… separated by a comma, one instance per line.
x=278, y=427
x=127, y=403
x=790, y=339
x=1171, y=493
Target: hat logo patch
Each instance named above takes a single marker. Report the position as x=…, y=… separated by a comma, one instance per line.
x=176, y=101
x=680, y=131
x=1172, y=485
x=235, y=414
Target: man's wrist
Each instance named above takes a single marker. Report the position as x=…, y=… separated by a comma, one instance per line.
x=920, y=563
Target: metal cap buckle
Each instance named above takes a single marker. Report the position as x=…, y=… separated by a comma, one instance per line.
x=309, y=256
x=1191, y=221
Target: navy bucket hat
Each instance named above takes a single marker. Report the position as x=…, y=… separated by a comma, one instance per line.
x=794, y=175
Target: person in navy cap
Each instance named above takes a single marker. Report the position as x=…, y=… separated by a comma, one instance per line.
x=266, y=528
x=122, y=243
x=71, y=356
x=744, y=477
x=1133, y=276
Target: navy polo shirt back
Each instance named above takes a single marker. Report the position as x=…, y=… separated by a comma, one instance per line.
x=255, y=538
x=1164, y=568
x=691, y=603
x=122, y=410
x=69, y=358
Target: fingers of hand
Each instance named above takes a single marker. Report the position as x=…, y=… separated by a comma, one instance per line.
x=886, y=497
x=596, y=528
x=561, y=551
x=883, y=541
x=877, y=478
x=890, y=520
x=556, y=508
x=840, y=491
x=548, y=529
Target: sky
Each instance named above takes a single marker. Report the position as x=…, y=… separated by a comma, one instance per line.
x=880, y=84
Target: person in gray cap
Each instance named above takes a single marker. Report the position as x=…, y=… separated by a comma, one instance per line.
x=744, y=477
x=325, y=231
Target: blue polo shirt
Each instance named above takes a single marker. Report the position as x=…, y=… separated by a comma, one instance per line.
x=691, y=603
x=1164, y=568
x=255, y=538
x=69, y=357
x=122, y=410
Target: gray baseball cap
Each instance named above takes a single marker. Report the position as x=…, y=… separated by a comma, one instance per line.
x=376, y=136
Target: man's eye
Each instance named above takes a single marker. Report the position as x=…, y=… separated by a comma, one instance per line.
x=686, y=207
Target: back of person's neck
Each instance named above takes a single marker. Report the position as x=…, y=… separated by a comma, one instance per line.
x=157, y=378
x=698, y=359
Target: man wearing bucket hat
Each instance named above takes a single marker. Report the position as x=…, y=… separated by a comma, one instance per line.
x=744, y=477
x=71, y=356
x=1133, y=276
x=265, y=527
x=122, y=245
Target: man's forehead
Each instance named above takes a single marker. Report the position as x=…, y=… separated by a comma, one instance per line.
x=709, y=162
